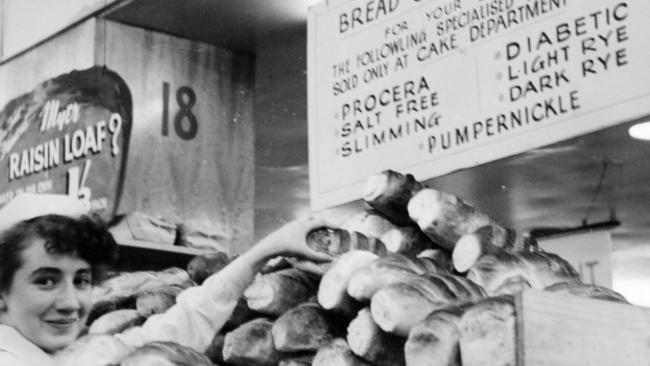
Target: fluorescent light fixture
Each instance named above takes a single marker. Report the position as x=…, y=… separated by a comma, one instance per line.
x=640, y=131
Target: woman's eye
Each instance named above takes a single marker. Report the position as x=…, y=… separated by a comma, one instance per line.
x=83, y=281
x=46, y=282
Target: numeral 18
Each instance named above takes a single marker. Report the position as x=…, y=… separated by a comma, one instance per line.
x=186, y=126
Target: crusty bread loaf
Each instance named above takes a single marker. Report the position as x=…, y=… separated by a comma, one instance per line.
x=384, y=271
x=306, y=327
x=338, y=353
x=434, y=340
x=488, y=334
x=462, y=287
x=203, y=266
x=398, y=307
x=396, y=268
x=157, y=301
x=251, y=344
x=444, y=217
x=389, y=193
x=547, y=269
x=276, y=292
x=371, y=343
x=368, y=222
x=165, y=353
x=332, y=291
x=587, y=291
x=336, y=241
x=408, y=240
x=109, y=304
x=121, y=290
x=507, y=273
x=436, y=260
x=486, y=240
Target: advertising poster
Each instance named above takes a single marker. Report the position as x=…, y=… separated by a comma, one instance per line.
x=68, y=136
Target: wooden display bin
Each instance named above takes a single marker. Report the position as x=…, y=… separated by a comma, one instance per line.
x=562, y=330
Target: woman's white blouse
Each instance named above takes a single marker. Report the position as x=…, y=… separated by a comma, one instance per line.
x=15, y=350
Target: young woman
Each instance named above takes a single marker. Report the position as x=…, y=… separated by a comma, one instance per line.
x=48, y=265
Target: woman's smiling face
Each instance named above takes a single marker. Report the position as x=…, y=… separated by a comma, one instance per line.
x=49, y=298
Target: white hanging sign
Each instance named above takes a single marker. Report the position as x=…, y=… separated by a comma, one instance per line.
x=429, y=87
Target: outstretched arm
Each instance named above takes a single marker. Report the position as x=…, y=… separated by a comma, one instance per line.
x=289, y=240
x=201, y=311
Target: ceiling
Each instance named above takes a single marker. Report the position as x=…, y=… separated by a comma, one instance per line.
x=230, y=23
x=598, y=178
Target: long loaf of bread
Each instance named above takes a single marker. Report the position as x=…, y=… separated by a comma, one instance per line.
x=333, y=288
x=157, y=301
x=444, y=217
x=508, y=273
x=153, y=352
x=487, y=240
x=398, y=307
x=389, y=193
x=203, y=266
x=303, y=328
x=276, y=292
x=587, y=291
x=408, y=240
x=488, y=334
x=382, y=272
x=121, y=290
x=371, y=343
x=336, y=241
x=338, y=353
x=251, y=344
x=434, y=340
x=369, y=222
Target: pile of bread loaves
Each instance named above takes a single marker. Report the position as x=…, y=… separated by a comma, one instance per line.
x=420, y=278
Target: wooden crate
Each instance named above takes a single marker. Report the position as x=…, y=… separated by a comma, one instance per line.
x=561, y=330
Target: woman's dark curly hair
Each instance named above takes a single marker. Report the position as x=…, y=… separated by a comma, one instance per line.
x=87, y=238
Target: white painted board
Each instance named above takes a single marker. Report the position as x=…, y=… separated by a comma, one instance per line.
x=430, y=87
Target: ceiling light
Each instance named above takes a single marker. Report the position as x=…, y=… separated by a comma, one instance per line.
x=640, y=131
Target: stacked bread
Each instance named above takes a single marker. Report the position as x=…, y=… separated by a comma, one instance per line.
x=420, y=277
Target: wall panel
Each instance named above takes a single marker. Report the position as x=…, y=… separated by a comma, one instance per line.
x=191, y=149
x=73, y=49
